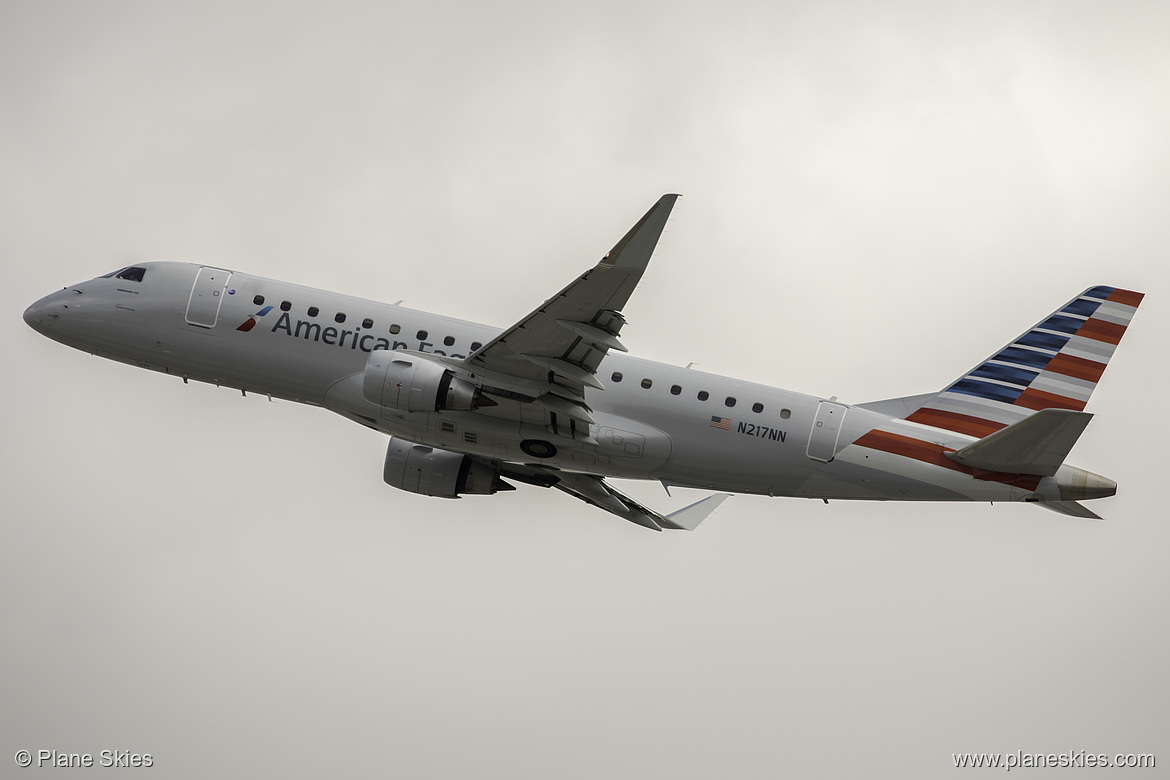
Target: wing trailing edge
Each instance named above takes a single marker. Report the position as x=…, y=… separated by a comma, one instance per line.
x=596, y=491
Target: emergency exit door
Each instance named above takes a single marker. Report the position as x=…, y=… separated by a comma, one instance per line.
x=206, y=296
x=826, y=429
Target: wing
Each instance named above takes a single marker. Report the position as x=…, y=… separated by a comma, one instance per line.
x=596, y=491
x=552, y=355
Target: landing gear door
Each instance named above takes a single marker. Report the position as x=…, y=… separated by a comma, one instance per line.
x=206, y=297
x=826, y=429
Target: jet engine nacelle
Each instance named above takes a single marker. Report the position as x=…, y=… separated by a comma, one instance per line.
x=419, y=469
x=412, y=383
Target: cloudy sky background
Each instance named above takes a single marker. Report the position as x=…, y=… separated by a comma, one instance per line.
x=877, y=195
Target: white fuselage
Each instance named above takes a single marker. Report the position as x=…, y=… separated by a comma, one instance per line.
x=654, y=421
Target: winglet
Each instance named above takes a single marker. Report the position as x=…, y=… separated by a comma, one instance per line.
x=633, y=252
x=688, y=518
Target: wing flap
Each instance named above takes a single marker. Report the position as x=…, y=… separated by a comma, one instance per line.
x=595, y=490
x=594, y=335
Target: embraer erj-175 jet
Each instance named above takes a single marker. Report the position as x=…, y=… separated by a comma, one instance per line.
x=551, y=401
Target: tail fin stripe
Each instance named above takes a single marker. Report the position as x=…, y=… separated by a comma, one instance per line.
x=1126, y=297
x=1115, y=312
x=984, y=408
x=1004, y=373
x=1061, y=323
x=1082, y=307
x=1101, y=330
x=1025, y=357
x=1038, y=399
x=1090, y=349
x=986, y=390
x=1048, y=341
x=1079, y=368
x=1059, y=384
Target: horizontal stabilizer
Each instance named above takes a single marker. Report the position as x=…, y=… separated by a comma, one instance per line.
x=1070, y=508
x=1035, y=445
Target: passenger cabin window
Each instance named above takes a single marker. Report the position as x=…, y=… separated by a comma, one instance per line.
x=258, y=300
x=448, y=340
x=675, y=389
x=785, y=414
x=285, y=305
x=757, y=407
x=132, y=274
x=421, y=335
x=475, y=345
x=646, y=383
x=339, y=317
x=367, y=323
x=704, y=395
x=313, y=311
x=617, y=376
x=729, y=401
x=395, y=329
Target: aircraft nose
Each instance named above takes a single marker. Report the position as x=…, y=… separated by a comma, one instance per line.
x=34, y=315
x=44, y=311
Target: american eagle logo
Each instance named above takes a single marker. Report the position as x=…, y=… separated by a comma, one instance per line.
x=251, y=321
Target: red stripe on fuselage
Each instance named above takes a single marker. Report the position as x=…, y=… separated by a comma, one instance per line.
x=935, y=454
x=953, y=421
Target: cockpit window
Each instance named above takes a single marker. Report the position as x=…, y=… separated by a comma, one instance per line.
x=131, y=274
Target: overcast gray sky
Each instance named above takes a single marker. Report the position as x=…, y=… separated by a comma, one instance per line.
x=877, y=195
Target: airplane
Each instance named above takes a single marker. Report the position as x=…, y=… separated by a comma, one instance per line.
x=556, y=401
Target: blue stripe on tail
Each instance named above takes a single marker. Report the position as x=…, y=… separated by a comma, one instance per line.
x=986, y=390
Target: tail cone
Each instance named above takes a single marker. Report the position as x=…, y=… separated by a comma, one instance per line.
x=1077, y=484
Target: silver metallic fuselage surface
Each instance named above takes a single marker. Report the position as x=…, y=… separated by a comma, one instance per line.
x=555, y=401
x=643, y=433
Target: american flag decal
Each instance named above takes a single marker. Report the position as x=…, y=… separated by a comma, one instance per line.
x=722, y=423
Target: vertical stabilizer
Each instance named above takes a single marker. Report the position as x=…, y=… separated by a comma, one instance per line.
x=1054, y=365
